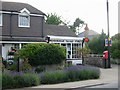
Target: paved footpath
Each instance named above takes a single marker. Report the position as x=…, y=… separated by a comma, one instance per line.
x=109, y=75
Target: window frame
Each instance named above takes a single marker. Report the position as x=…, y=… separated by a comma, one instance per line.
x=24, y=13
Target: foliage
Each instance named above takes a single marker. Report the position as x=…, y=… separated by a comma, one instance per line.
x=73, y=73
x=78, y=23
x=7, y=81
x=53, y=77
x=43, y=54
x=97, y=44
x=116, y=37
x=31, y=79
x=53, y=19
x=13, y=67
x=40, y=69
x=116, y=54
x=18, y=80
x=85, y=51
x=25, y=66
x=115, y=49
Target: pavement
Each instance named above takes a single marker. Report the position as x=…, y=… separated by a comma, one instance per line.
x=108, y=76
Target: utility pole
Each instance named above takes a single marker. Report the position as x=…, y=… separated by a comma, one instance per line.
x=109, y=64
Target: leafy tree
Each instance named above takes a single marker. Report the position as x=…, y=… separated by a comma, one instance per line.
x=43, y=54
x=53, y=19
x=115, y=49
x=78, y=23
x=97, y=44
x=83, y=51
x=116, y=37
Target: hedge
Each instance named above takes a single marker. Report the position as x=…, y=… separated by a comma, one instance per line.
x=73, y=73
x=18, y=81
x=43, y=54
x=70, y=74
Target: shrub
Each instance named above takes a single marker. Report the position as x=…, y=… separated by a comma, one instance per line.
x=13, y=67
x=30, y=80
x=43, y=54
x=17, y=80
x=53, y=77
x=7, y=81
x=82, y=72
x=73, y=73
x=25, y=67
x=40, y=69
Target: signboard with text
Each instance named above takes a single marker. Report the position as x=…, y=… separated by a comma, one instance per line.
x=106, y=42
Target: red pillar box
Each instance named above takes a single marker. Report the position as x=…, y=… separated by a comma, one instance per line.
x=105, y=55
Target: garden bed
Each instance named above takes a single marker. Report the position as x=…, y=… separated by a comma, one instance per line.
x=69, y=74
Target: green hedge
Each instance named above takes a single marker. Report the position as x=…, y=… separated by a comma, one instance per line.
x=17, y=81
x=59, y=77
x=43, y=54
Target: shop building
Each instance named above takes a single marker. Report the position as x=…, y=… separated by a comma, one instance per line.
x=21, y=24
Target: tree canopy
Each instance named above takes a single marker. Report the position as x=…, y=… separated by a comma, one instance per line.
x=115, y=49
x=78, y=23
x=97, y=44
x=53, y=19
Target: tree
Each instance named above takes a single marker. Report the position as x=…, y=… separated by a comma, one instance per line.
x=43, y=54
x=78, y=23
x=97, y=44
x=115, y=49
x=83, y=51
x=53, y=19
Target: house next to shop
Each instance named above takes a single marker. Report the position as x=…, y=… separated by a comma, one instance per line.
x=21, y=23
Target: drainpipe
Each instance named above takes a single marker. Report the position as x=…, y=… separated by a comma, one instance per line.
x=42, y=27
x=11, y=25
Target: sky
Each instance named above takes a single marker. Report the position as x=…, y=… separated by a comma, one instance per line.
x=93, y=12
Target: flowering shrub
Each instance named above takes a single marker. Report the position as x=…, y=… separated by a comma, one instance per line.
x=19, y=79
x=73, y=73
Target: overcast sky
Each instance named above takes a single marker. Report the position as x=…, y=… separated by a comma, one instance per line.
x=93, y=12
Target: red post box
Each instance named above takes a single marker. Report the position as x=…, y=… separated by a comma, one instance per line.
x=105, y=55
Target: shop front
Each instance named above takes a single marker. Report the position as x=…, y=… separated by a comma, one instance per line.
x=71, y=44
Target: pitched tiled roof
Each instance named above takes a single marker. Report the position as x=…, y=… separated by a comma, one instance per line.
x=16, y=7
x=58, y=30
x=91, y=33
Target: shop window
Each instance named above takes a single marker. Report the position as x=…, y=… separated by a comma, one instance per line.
x=74, y=50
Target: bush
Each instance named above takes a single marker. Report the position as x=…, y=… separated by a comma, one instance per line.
x=7, y=81
x=17, y=80
x=80, y=72
x=116, y=54
x=73, y=73
x=40, y=69
x=43, y=54
x=31, y=80
x=13, y=67
x=53, y=77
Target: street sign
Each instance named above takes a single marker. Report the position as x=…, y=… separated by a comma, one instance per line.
x=106, y=42
x=86, y=39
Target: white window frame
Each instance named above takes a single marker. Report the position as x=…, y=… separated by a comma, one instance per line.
x=1, y=20
x=24, y=13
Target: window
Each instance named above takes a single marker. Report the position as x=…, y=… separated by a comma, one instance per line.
x=0, y=19
x=24, y=21
x=24, y=18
